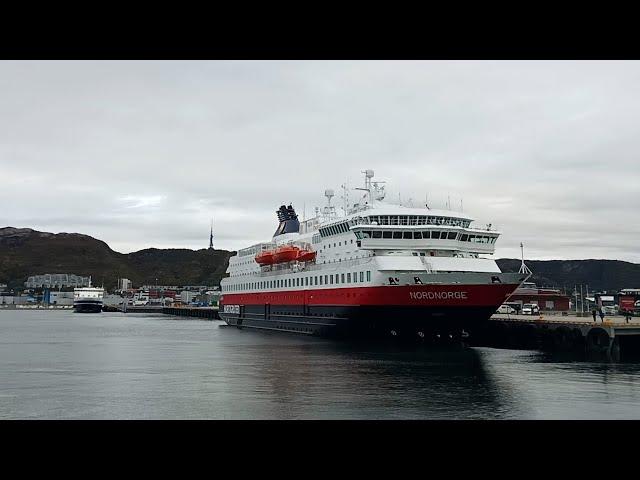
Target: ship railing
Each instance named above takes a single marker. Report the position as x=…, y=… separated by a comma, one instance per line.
x=313, y=267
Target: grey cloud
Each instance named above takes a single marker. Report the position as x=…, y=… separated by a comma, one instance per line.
x=143, y=154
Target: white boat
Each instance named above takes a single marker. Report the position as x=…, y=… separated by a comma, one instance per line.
x=88, y=299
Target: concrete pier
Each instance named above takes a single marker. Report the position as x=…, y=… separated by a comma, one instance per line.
x=615, y=337
x=198, y=312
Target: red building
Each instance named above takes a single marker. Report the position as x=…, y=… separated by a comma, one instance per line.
x=545, y=298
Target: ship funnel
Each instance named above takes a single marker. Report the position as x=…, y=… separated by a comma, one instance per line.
x=288, y=221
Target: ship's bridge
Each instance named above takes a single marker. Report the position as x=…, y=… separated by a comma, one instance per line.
x=401, y=228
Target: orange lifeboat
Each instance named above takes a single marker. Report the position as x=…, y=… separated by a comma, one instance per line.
x=265, y=257
x=286, y=253
x=306, y=255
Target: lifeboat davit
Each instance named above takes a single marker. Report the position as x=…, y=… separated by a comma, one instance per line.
x=265, y=258
x=286, y=253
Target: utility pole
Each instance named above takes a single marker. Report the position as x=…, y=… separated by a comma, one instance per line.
x=581, y=301
x=587, y=295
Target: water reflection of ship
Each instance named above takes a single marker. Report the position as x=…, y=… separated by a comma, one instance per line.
x=324, y=380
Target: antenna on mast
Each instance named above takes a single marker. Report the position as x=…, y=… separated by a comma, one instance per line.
x=211, y=236
x=345, y=196
x=329, y=210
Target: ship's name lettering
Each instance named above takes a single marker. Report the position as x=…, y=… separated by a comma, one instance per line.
x=232, y=309
x=438, y=295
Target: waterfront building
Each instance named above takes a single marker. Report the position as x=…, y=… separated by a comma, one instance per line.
x=187, y=296
x=546, y=298
x=56, y=280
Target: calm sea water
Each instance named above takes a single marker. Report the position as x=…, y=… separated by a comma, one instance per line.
x=61, y=365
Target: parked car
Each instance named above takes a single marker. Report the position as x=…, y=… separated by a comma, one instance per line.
x=530, y=309
x=505, y=309
x=609, y=310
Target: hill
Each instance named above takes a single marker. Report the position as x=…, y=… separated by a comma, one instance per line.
x=25, y=252
x=597, y=274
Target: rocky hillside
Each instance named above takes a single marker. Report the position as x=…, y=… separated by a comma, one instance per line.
x=25, y=252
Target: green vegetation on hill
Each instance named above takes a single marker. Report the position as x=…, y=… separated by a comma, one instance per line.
x=25, y=252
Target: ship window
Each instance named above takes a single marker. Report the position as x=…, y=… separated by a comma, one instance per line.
x=331, y=279
x=339, y=244
x=472, y=238
x=306, y=281
x=366, y=234
x=426, y=234
x=320, y=279
x=355, y=277
x=417, y=235
x=387, y=234
x=452, y=235
x=368, y=275
x=361, y=276
x=358, y=235
x=315, y=280
x=397, y=234
x=407, y=235
x=334, y=245
x=342, y=278
x=377, y=234
x=326, y=280
x=393, y=220
x=435, y=234
x=422, y=254
x=352, y=240
x=349, y=277
x=463, y=237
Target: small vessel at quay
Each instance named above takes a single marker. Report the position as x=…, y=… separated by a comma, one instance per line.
x=88, y=299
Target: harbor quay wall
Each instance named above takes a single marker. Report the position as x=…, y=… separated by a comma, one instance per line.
x=210, y=313
x=616, y=337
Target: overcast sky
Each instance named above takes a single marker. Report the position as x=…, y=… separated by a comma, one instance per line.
x=143, y=154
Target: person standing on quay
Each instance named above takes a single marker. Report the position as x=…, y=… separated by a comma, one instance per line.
x=601, y=312
x=593, y=312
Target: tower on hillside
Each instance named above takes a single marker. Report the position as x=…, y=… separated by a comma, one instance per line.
x=211, y=236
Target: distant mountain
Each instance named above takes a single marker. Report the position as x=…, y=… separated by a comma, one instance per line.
x=597, y=274
x=25, y=252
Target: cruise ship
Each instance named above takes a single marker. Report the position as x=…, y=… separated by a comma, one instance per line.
x=380, y=270
x=88, y=299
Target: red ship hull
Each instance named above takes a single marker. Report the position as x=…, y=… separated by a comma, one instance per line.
x=408, y=311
